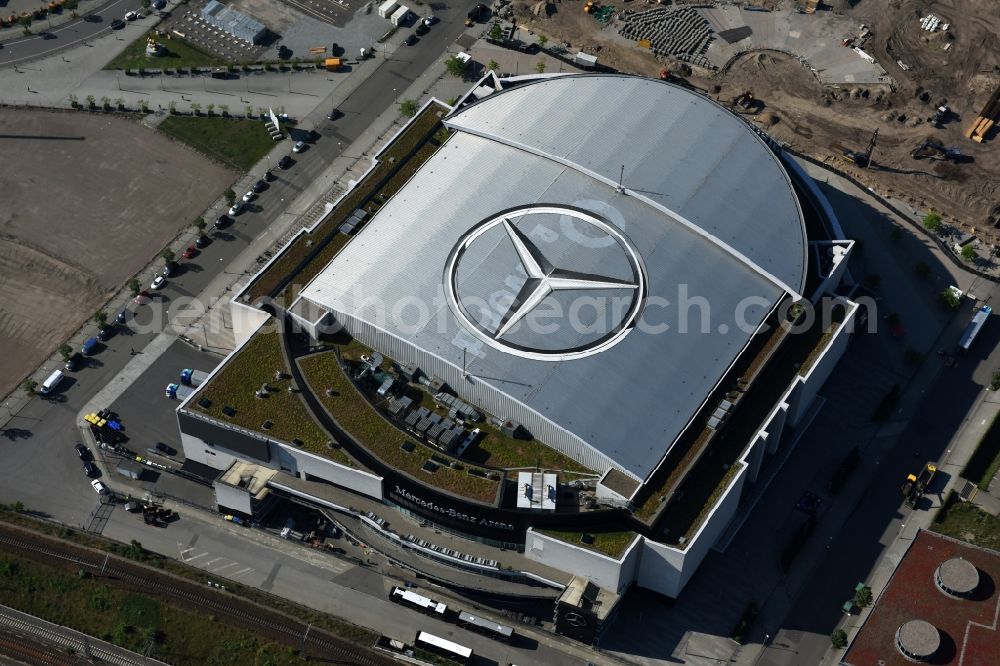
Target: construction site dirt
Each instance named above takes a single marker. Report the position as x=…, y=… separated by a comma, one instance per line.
x=957, y=67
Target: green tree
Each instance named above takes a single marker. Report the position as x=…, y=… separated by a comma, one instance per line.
x=995, y=381
x=71, y=4
x=456, y=66
x=210, y=108
x=134, y=287
x=969, y=253
x=540, y=67
x=65, y=351
x=838, y=639
x=199, y=224
x=145, y=4
x=74, y=101
x=25, y=22
x=949, y=298
x=496, y=32
x=30, y=386
x=542, y=40
x=230, y=197
x=932, y=222
x=100, y=318
x=196, y=108
x=493, y=66
x=105, y=102
x=167, y=254
x=224, y=110
x=408, y=107
x=172, y=107
x=90, y=101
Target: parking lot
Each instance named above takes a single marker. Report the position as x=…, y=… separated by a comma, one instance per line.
x=186, y=22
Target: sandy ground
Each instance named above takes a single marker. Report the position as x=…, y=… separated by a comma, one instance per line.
x=81, y=215
x=816, y=120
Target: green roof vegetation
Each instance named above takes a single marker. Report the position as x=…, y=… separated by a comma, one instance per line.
x=402, y=155
x=236, y=142
x=496, y=449
x=357, y=416
x=612, y=544
x=966, y=521
x=235, y=386
x=179, y=53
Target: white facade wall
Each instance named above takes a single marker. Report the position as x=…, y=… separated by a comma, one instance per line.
x=777, y=425
x=478, y=393
x=363, y=483
x=237, y=499
x=199, y=451
x=666, y=569
x=822, y=366
x=246, y=321
x=604, y=571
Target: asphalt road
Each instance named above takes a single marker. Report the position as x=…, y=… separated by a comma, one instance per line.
x=47, y=41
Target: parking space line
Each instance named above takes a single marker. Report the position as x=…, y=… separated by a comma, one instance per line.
x=224, y=566
x=195, y=557
x=211, y=562
x=241, y=572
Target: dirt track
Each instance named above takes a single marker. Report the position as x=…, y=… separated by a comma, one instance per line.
x=88, y=200
x=814, y=119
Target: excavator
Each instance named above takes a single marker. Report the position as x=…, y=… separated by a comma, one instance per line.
x=935, y=150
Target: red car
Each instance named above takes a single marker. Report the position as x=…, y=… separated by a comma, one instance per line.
x=189, y=252
x=143, y=297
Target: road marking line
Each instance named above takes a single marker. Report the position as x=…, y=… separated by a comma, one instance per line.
x=211, y=562
x=225, y=566
x=241, y=572
x=195, y=557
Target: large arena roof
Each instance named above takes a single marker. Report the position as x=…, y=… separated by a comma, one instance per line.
x=519, y=216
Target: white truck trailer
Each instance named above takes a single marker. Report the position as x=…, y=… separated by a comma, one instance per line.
x=386, y=9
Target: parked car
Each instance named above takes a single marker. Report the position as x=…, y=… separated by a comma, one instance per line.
x=142, y=297
x=90, y=469
x=411, y=39
x=164, y=14
x=421, y=30
x=236, y=208
x=74, y=362
x=222, y=221
x=334, y=114
x=132, y=16
x=170, y=269
x=202, y=241
x=299, y=146
x=106, y=332
x=99, y=487
x=189, y=252
x=430, y=20
x=122, y=316
x=117, y=24
x=159, y=4
x=158, y=283
x=249, y=196
x=82, y=451
x=268, y=176
x=89, y=346
x=285, y=162
x=259, y=187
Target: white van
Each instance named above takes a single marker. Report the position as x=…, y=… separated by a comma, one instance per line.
x=52, y=382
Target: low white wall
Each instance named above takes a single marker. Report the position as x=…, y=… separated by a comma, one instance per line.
x=822, y=366
x=364, y=483
x=604, y=571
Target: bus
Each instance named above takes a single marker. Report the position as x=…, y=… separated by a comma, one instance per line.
x=445, y=648
x=418, y=602
x=976, y=325
x=492, y=629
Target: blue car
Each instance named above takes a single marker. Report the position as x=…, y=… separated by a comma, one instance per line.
x=89, y=346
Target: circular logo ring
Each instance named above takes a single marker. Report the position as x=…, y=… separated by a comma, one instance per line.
x=543, y=279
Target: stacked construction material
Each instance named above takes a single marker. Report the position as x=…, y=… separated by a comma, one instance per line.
x=986, y=119
x=680, y=32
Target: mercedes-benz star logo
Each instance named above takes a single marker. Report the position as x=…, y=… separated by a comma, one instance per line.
x=542, y=278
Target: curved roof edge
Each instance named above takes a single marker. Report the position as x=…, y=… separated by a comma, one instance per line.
x=795, y=291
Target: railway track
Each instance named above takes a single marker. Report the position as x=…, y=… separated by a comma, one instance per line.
x=25, y=651
x=318, y=643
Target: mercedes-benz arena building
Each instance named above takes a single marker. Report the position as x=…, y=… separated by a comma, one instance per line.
x=591, y=257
